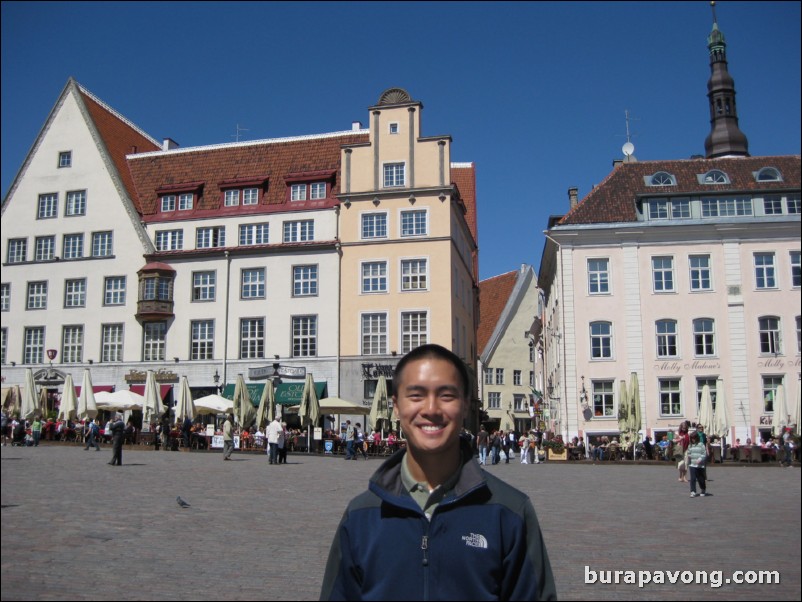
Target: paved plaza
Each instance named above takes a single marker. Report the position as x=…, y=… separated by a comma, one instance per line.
x=74, y=527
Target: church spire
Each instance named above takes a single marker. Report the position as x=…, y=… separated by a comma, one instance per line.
x=725, y=138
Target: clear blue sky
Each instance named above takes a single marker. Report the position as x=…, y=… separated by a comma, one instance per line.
x=533, y=93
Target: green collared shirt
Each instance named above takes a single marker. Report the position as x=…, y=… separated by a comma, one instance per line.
x=428, y=499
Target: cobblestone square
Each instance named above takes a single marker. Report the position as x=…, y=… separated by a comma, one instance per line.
x=74, y=527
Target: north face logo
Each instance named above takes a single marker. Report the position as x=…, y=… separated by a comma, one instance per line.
x=475, y=540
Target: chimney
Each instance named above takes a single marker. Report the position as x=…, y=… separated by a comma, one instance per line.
x=356, y=126
x=573, y=196
x=133, y=150
x=169, y=144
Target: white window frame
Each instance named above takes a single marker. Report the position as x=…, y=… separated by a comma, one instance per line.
x=114, y=290
x=231, y=197
x=796, y=268
x=305, y=280
x=299, y=230
x=34, y=345
x=17, y=250
x=154, y=341
x=765, y=271
x=663, y=280
x=701, y=274
x=167, y=203
x=413, y=229
x=44, y=248
x=186, y=201
x=103, y=244
x=75, y=203
x=65, y=159
x=600, y=340
x=670, y=393
x=493, y=400
x=252, y=283
x=254, y=234
x=204, y=286
x=250, y=195
x=72, y=344
x=112, y=342
x=603, y=398
x=667, y=338
x=169, y=240
x=47, y=206
x=74, y=292
x=298, y=191
x=36, y=297
x=373, y=225
x=770, y=334
x=598, y=277
x=317, y=191
x=251, y=338
x=202, y=340
x=304, y=336
x=210, y=237
x=373, y=333
x=374, y=277
x=704, y=339
x=394, y=174
x=72, y=246
x=414, y=329
x=414, y=273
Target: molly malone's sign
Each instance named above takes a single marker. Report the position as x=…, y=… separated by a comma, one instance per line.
x=141, y=376
x=281, y=371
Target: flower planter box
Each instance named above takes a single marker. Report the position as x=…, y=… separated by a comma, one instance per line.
x=552, y=455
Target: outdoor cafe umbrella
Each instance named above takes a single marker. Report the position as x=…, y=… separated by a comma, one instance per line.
x=153, y=406
x=243, y=408
x=213, y=404
x=42, y=402
x=780, y=419
x=721, y=415
x=706, y=410
x=69, y=403
x=28, y=397
x=623, y=409
x=797, y=410
x=185, y=408
x=87, y=406
x=380, y=408
x=635, y=419
x=14, y=404
x=309, y=412
x=267, y=406
x=122, y=400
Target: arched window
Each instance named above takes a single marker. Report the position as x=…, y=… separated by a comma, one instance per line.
x=662, y=178
x=715, y=176
x=768, y=174
x=666, y=331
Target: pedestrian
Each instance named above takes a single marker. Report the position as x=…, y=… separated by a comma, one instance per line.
x=349, y=441
x=484, y=541
x=117, y=434
x=186, y=430
x=523, y=444
x=228, y=437
x=283, y=442
x=4, y=426
x=36, y=430
x=359, y=441
x=482, y=439
x=92, y=432
x=696, y=460
x=274, y=433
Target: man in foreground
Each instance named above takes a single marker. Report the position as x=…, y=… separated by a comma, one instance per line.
x=433, y=525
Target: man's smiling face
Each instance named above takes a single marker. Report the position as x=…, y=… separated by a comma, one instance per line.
x=431, y=406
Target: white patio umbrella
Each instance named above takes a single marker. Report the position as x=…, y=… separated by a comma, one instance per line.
x=15, y=402
x=635, y=418
x=797, y=413
x=721, y=415
x=69, y=403
x=267, y=406
x=309, y=412
x=153, y=406
x=706, y=410
x=243, y=408
x=380, y=408
x=87, y=405
x=122, y=400
x=336, y=405
x=780, y=419
x=185, y=408
x=623, y=410
x=42, y=402
x=28, y=408
x=213, y=404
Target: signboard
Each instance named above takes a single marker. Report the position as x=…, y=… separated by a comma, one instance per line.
x=140, y=376
x=210, y=430
x=317, y=434
x=328, y=446
x=282, y=371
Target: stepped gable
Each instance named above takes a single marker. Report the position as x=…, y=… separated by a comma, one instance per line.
x=613, y=200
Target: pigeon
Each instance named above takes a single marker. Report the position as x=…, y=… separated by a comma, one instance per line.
x=181, y=502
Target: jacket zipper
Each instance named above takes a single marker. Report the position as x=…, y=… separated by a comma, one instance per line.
x=424, y=546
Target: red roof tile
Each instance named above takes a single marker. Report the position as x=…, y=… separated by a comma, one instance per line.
x=494, y=293
x=614, y=199
x=272, y=160
x=464, y=178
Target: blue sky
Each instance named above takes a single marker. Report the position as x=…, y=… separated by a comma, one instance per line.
x=533, y=93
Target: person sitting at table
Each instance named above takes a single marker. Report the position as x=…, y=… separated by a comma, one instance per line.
x=735, y=450
x=130, y=431
x=391, y=441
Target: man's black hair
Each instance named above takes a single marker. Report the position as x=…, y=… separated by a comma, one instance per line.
x=438, y=352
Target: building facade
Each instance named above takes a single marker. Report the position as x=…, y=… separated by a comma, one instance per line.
x=509, y=363
x=685, y=273
x=231, y=259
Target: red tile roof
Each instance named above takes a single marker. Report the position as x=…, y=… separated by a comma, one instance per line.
x=614, y=199
x=464, y=178
x=119, y=137
x=272, y=160
x=494, y=293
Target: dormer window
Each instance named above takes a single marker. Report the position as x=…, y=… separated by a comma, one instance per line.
x=245, y=191
x=181, y=197
x=768, y=174
x=309, y=186
x=714, y=176
x=662, y=178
